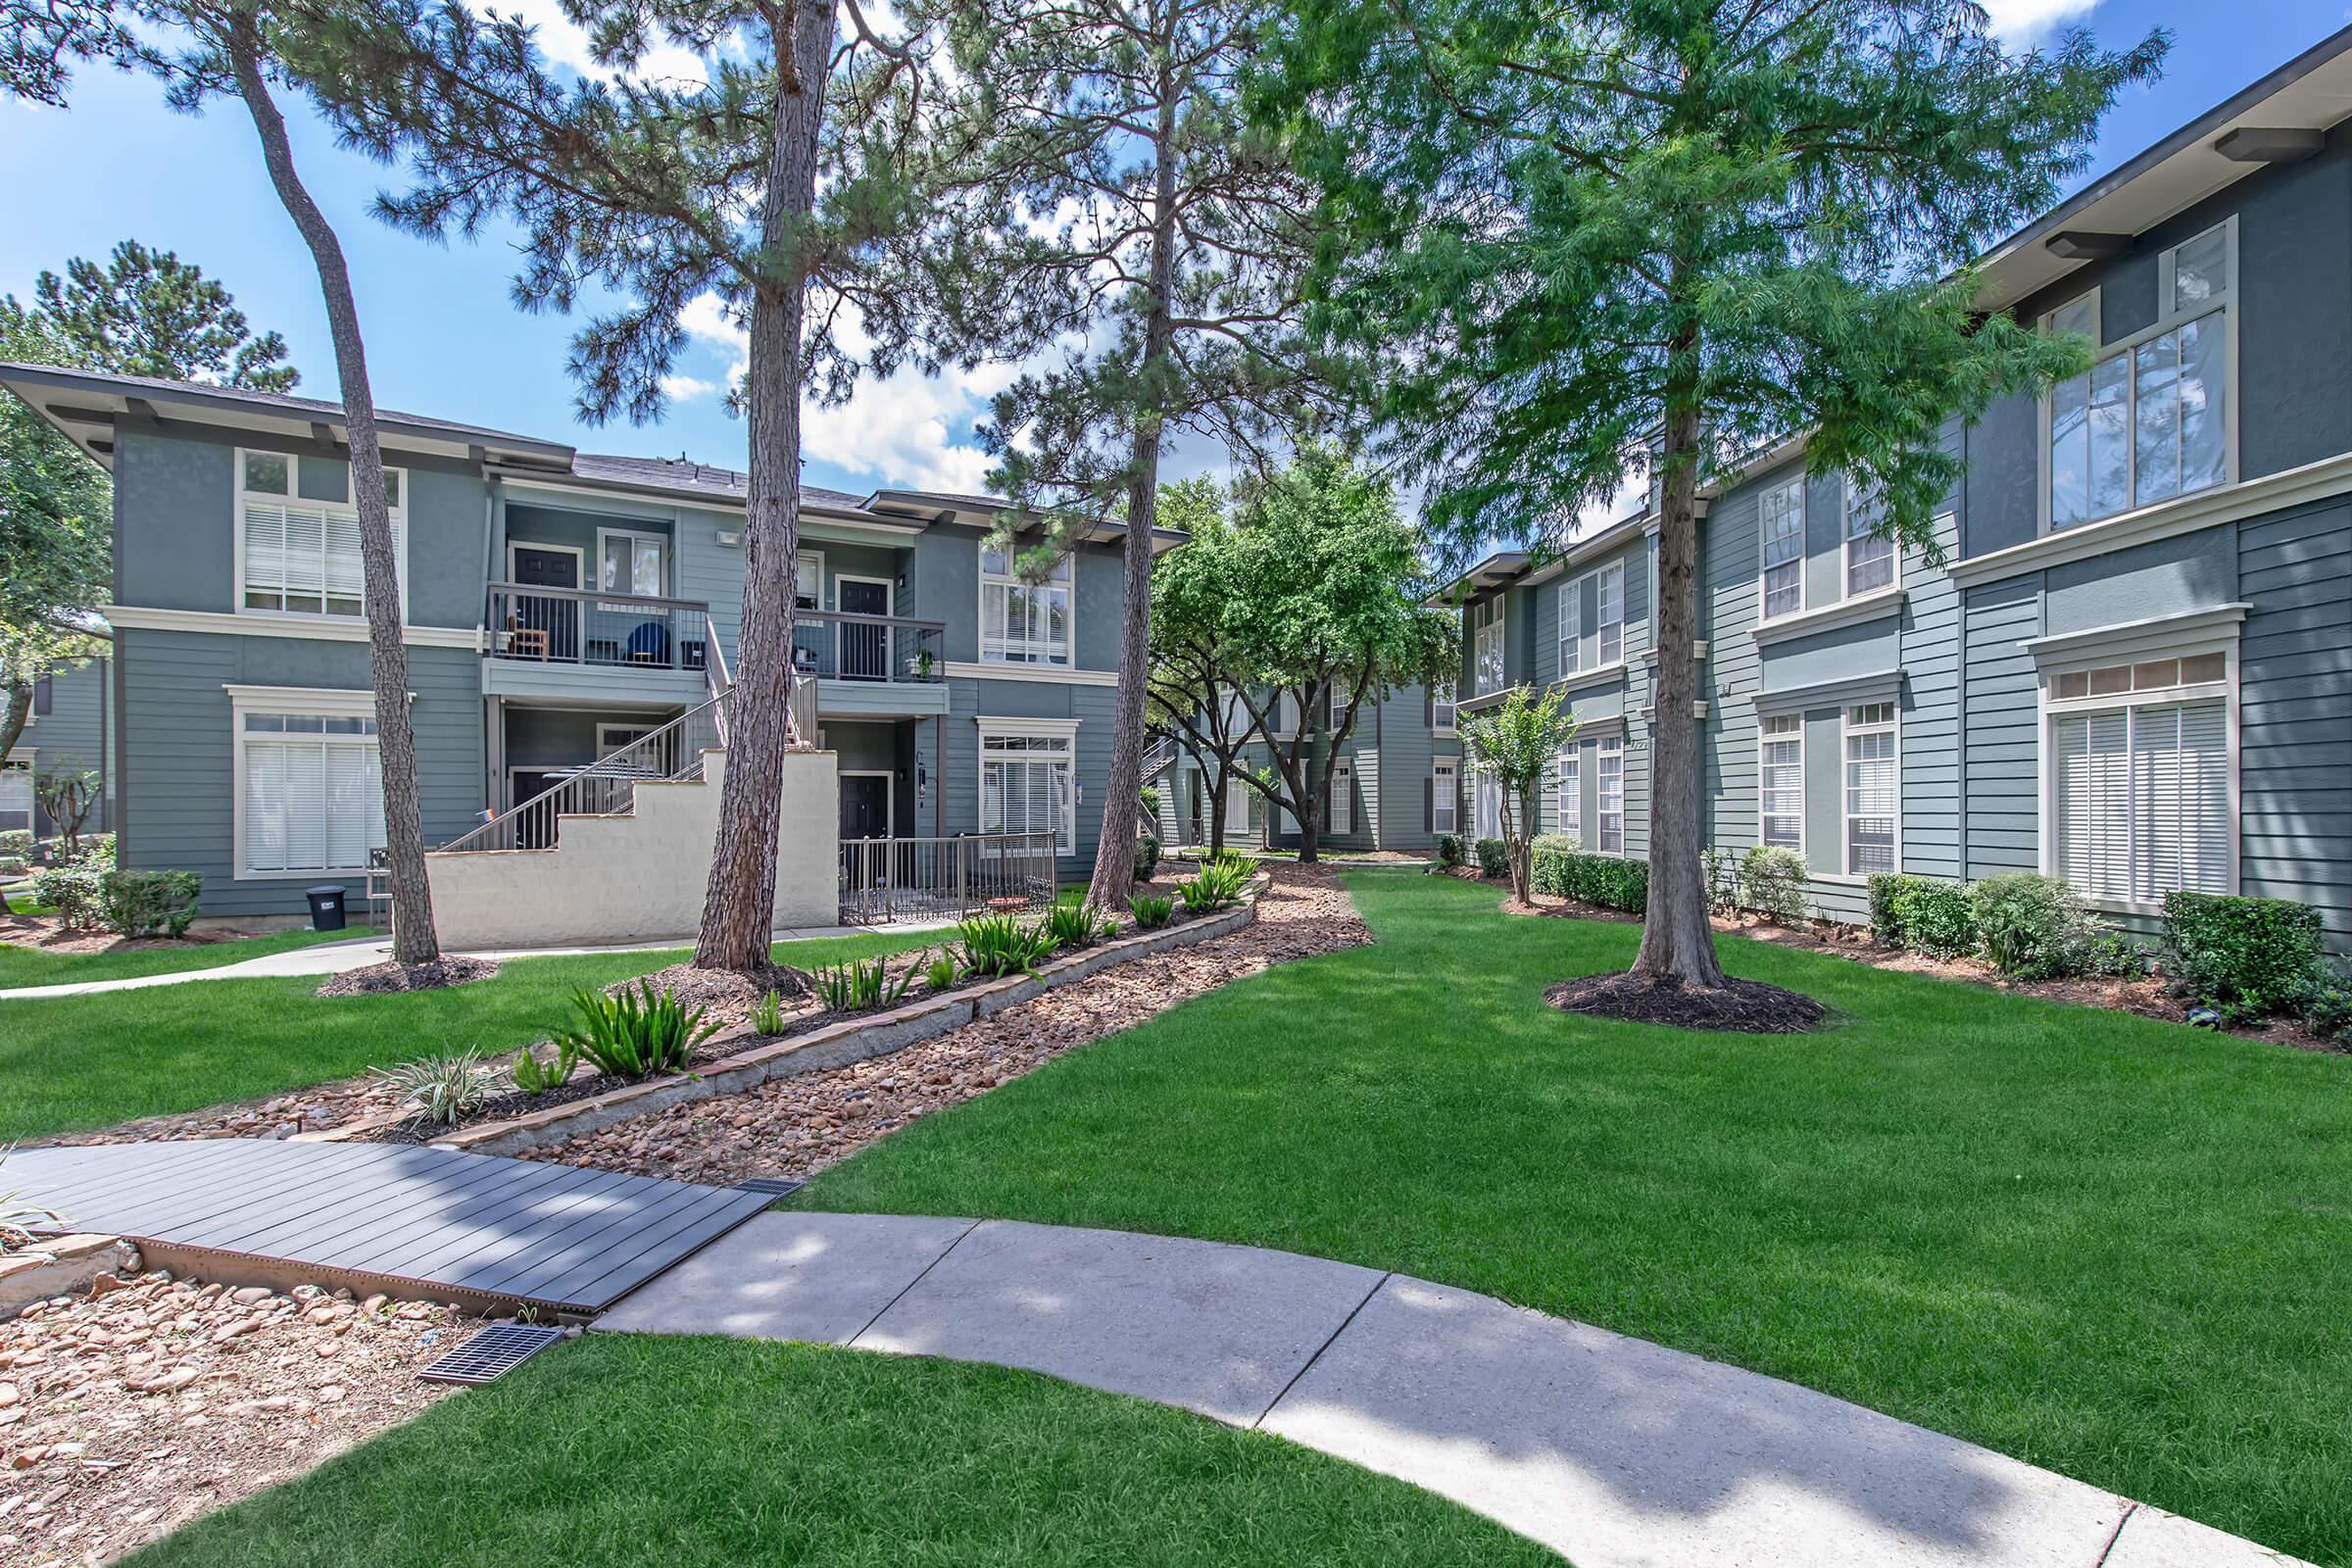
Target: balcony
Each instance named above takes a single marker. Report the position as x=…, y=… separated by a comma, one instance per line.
x=566, y=642
x=874, y=666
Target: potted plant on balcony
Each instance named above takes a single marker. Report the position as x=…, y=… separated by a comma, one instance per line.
x=919, y=666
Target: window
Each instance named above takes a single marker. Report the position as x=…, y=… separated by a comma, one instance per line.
x=16, y=794
x=1342, y=814
x=1445, y=792
x=1612, y=616
x=1027, y=785
x=1487, y=806
x=1611, y=777
x=1872, y=789
x=1440, y=711
x=1487, y=641
x=1334, y=709
x=300, y=555
x=2149, y=420
x=809, y=580
x=1781, y=762
x=1783, y=525
x=1572, y=626
x=1023, y=623
x=2140, y=771
x=44, y=695
x=310, y=792
x=1569, y=772
x=632, y=563
x=1870, y=559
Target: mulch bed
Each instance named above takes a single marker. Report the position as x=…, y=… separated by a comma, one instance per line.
x=1740, y=1007
x=793, y=1127
x=379, y=979
x=51, y=935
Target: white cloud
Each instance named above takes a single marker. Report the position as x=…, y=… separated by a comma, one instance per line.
x=686, y=388
x=2029, y=22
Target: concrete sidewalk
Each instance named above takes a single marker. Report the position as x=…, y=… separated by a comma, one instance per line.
x=334, y=958
x=1616, y=1453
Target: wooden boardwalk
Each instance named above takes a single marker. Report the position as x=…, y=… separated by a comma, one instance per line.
x=474, y=1228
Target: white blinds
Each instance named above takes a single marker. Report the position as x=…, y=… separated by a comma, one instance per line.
x=1026, y=786
x=312, y=804
x=2143, y=800
x=306, y=558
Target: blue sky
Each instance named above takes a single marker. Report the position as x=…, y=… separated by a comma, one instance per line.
x=444, y=339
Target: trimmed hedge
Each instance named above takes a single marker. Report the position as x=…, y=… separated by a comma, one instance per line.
x=1494, y=857
x=2033, y=926
x=1938, y=918
x=143, y=903
x=1450, y=848
x=1147, y=857
x=1565, y=871
x=2245, y=957
x=1774, y=880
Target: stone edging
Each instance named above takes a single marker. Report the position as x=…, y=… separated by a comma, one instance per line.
x=73, y=1261
x=831, y=1045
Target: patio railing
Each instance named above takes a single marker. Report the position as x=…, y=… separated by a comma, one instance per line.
x=832, y=645
x=605, y=787
x=578, y=626
x=883, y=880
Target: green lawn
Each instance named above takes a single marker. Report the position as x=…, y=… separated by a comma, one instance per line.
x=21, y=966
x=623, y=1450
x=2116, y=1247
x=75, y=1062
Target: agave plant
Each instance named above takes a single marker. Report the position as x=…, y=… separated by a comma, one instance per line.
x=444, y=1086
x=1151, y=912
x=536, y=1077
x=999, y=945
x=862, y=983
x=638, y=1033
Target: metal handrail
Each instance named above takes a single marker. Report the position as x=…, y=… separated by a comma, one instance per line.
x=944, y=878
x=607, y=596
x=607, y=787
x=716, y=680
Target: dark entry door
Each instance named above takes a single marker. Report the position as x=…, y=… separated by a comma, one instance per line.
x=864, y=805
x=558, y=618
x=864, y=649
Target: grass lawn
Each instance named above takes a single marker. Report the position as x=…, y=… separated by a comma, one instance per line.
x=622, y=1450
x=76, y=1062
x=21, y=965
x=2117, y=1248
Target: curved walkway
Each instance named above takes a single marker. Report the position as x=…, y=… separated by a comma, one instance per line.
x=1615, y=1453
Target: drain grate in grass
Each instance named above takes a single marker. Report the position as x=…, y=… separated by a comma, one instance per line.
x=492, y=1351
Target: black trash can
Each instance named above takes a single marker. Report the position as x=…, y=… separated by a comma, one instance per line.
x=326, y=906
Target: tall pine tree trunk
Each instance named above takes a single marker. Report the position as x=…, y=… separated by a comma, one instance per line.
x=413, y=938
x=739, y=902
x=1113, y=881
x=1678, y=945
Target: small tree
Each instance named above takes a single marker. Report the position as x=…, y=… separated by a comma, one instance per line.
x=1195, y=668
x=1514, y=743
x=66, y=796
x=1326, y=614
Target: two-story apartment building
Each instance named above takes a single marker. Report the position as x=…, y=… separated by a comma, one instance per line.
x=67, y=731
x=2133, y=668
x=559, y=605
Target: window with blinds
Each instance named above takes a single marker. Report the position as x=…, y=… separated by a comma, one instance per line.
x=1572, y=794
x=1026, y=786
x=1610, y=783
x=1868, y=554
x=1872, y=788
x=303, y=556
x=2143, y=800
x=314, y=793
x=1612, y=616
x=1023, y=621
x=1783, y=525
x=1782, y=784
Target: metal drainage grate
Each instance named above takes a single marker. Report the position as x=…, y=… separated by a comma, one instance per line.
x=768, y=1184
x=491, y=1351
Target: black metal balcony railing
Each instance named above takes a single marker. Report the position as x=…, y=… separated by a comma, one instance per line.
x=831, y=645
x=579, y=627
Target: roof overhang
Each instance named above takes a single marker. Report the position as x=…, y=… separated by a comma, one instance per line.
x=2281, y=119
x=85, y=407
x=982, y=512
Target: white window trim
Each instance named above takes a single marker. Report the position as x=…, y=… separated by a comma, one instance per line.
x=1610, y=746
x=579, y=573
x=1846, y=813
x=293, y=497
x=889, y=587
x=320, y=701
x=1341, y=789
x=2212, y=633
x=890, y=797
x=1502, y=647
x=1764, y=614
x=2168, y=317
x=811, y=582
x=604, y=737
x=1602, y=623
x=992, y=727
x=1893, y=586
x=1446, y=726
x=1568, y=791
x=633, y=534
x=1765, y=738
x=1445, y=795
x=987, y=579
x=23, y=760
x=1571, y=641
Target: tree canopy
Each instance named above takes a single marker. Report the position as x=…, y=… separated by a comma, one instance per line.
x=148, y=313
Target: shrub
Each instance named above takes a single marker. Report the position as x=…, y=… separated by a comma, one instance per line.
x=1000, y=945
x=98, y=849
x=16, y=844
x=940, y=973
x=1774, y=880
x=444, y=1086
x=1218, y=885
x=1887, y=889
x=536, y=1077
x=2116, y=956
x=1148, y=798
x=2245, y=957
x=859, y=984
x=1150, y=913
x=1938, y=918
x=635, y=1034
x=1074, y=925
x=1242, y=865
x=2327, y=1008
x=140, y=903
x=2033, y=926
x=1147, y=857
x=1494, y=857
x=1722, y=871
x=1565, y=871
x=1450, y=848
x=72, y=891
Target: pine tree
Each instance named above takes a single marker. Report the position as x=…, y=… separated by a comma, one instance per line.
x=1673, y=232
x=148, y=313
